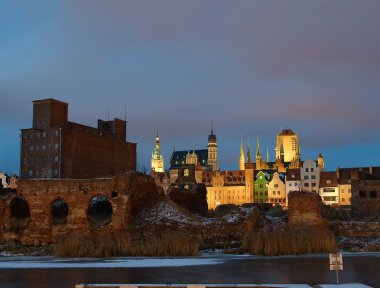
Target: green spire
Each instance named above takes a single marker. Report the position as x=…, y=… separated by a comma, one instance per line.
x=267, y=155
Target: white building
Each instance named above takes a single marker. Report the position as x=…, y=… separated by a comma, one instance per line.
x=329, y=188
x=292, y=182
x=310, y=173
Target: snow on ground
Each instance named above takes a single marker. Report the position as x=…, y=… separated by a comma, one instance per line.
x=162, y=212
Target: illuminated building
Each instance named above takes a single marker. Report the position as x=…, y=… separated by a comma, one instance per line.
x=157, y=160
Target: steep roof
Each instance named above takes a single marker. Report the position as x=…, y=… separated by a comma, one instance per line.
x=178, y=158
x=293, y=175
x=287, y=132
x=328, y=179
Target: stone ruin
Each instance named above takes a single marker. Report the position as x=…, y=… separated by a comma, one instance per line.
x=42, y=211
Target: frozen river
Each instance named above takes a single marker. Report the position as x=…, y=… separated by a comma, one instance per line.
x=33, y=272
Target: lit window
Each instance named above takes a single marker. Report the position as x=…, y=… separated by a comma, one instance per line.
x=30, y=173
x=31, y=148
x=56, y=158
x=44, y=134
x=56, y=146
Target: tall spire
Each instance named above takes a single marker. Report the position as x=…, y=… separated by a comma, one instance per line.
x=258, y=153
x=248, y=149
x=157, y=151
x=268, y=155
x=241, y=158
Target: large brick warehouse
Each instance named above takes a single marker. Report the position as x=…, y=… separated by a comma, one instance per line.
x=57, y=148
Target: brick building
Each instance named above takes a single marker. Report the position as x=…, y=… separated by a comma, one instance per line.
x=57, y=148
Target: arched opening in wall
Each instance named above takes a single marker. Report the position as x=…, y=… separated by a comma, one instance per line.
x=59, y=211
x=20, y=214
x=99, y=211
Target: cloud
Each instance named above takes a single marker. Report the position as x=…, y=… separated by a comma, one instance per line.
x=252, y=65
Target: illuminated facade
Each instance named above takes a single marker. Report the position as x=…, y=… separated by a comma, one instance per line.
x=157, y=160
x=229, y=187
x=277, y=190
x=287, y=146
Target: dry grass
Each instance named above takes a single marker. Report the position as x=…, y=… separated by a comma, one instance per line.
x=175, y=244
x=289, y=242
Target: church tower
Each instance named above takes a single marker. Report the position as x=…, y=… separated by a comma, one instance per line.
x=212, y=151
x=321, y=162
x=241, y=156
x=157, y=160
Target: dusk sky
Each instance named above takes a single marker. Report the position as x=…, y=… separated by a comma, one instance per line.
x=250, y=66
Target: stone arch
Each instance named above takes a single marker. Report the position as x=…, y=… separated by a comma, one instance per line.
x=20, y=214
x=59, y=211
x=99, y=211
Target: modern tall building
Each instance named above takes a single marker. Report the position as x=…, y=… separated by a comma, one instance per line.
x=157, y=160
x=287, y=146
x=57, y=148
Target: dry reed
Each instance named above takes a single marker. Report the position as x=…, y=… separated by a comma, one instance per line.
x=289, y=242
x=175, y=244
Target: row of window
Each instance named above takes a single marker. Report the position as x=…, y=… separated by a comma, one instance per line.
x=45, y=173
x=39, y=134
x=33, y=160
x=313, y=177
x=43, y=147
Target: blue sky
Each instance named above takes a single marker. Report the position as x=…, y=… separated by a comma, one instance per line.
x=251, y=66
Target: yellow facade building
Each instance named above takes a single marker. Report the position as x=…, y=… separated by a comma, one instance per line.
x=287, y=146
x=277, y=190
x=229, y=187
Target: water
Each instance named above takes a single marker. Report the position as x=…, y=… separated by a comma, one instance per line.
x=363, y=268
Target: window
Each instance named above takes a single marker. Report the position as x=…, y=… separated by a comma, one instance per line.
x=313, y=177
x=278, y=192
x=342, y=191
x=43, y=147
x=313, y=184
x=306, y=184
x=311, y=169
x=261, y=177
x=362, y=194
x=186, y=172
x=56, y=133
x=343, y=200
x=293, y=176
x=290, y=184
x=261, y=186
x=275, y=185
x=274, y=192
x=296, y=184
x=44, y=134
x=328, y=181
x=56, y=159
x=306, y=169
x=31, y=148
x=56, y=146
x=372, y=194
x=30, y=173
x=306, y=177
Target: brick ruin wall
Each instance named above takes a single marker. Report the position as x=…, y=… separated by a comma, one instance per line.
x=365, y=199
x=305, y=210
x=127, y=194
